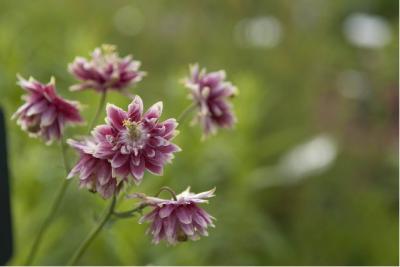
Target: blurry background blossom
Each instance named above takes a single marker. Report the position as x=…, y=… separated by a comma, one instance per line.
x=309, y=175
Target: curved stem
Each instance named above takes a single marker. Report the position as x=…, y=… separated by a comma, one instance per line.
x=99, y=109
x=78, y=253
x=169, y=190
x=57, y=201
x=186, y=112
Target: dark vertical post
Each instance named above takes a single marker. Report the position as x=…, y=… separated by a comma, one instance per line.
x=6, y=243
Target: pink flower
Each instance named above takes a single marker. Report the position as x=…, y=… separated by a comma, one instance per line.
x=211, y=94
x=95, y=174
x=180, y=219
x=134, y=142
x=105, y=71
x=45, y=113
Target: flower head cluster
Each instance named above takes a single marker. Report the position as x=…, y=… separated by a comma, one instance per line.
x=211, y=93
x=45, y=113
x=131, y=142
x=105, y=71
x=178, y=219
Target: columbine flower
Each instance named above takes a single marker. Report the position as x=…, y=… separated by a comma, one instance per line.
x=94, y=173
x=134, y=141
x=45, y=113
x=178, y=219
x=211, y=93
x=105, y=71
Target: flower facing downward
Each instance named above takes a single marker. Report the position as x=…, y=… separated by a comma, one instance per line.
x=105, y=71
x=178, y=219
x=94, y=173
x=211, y=93
x=134, y=142
x=45, y=113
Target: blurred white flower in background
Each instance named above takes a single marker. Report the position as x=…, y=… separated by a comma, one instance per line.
x=368, y=31
x=310, y=158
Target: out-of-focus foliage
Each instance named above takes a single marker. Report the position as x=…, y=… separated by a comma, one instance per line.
x=308, y=176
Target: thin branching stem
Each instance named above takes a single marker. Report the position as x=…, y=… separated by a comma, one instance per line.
x=169, y=190
x=185, y=113
x=54, y=207
x=99, y=109
x=130, y=213
x=93, y=233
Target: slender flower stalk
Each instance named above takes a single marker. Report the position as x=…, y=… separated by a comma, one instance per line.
x=93, y=233
x=98, y=111
x=185, y=113
x=57, y=201
x=130, y=213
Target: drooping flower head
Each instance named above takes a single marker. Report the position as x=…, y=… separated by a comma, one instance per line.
x=178, y=219
x=95, y=174
x=45, y=113
x=211, y=94
x=134, y=142
x=105, y=71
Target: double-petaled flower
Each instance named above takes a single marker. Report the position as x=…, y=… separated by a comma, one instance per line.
x=105, y=70
x=177, y=219
x=128, y=144
x=211, y=94
x=44, y=113
x=94, y=173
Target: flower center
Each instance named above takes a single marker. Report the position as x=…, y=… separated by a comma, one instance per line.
x=134, y=138
x=134, y=129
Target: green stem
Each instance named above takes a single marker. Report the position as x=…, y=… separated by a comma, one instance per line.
x=59, y=196
x=93, y=233
x=185, y=113
x=99, y=109
x=169, y=190
x=129, y=213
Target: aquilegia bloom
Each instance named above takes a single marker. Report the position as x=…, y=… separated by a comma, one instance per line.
x=180, y=219
x=45, y=113
x=134, y=142
x=211, y=94
x=94, y=174
x=105, y=71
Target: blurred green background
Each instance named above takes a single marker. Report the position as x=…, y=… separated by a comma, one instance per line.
x=308, y=176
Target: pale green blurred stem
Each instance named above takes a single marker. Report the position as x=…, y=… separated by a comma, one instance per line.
x=99, y=109
x=185, y=113
x=59, y=196
x=93, y=233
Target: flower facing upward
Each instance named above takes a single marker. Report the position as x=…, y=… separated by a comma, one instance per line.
x=94, y=174
x=45, y=113
x=105, y=71
x=178, y=219
x=211, y=93
x=134, y=141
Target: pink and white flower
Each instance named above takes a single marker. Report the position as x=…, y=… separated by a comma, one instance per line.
x=45, y=113
x=95, y=174
x=178, y=219
x=211, y=94
x=105, y=71
x=134, y=141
